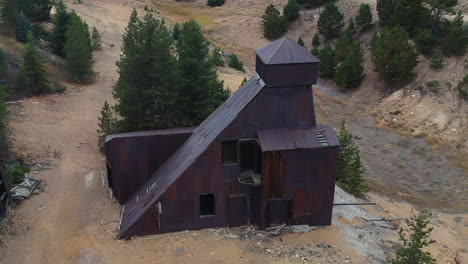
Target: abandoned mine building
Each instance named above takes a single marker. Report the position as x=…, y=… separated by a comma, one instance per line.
x=259, y=159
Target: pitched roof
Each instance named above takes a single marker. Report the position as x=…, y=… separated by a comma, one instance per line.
x=180, y=161
x=179, y=130
x=285, y=51
x=297, y=138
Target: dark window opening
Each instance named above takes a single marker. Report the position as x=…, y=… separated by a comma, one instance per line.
x=250, y=156
x=207, y=204
x=229, y=152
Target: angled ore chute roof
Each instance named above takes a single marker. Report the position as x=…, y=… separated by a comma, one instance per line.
x=285, y=51
x=181, y=160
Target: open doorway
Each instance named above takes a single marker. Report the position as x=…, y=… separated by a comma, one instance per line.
x=250, y=161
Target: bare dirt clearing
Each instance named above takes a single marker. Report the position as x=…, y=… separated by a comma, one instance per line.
x=78, y=224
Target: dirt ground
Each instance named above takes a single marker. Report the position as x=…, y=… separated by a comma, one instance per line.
x=74, y=220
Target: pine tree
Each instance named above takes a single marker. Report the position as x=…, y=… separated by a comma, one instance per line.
x=457, y=37
x=33, y=72
x=439, y=8
x=425, y=40
x=96, y=39
x=23, y=27
x=176, y=31
x=410, y=14
x=315, y=45
x=200, y=90
x=3, y=65
x=36, y=10
x=291, y=10
x=107, y=122
x=301, y=42
x=330, y=21
x=327, y=57
x=385, y=11
x=350, y=29
x=78, y=49
x=415, y=238
x=342, y=46
x=350, y=72
x=58, y=38
x=392, y=54
x=350, y=168
x=438, y=58
x=147, y=89
x=364, y=18
x=9, y=11
x=274, y=25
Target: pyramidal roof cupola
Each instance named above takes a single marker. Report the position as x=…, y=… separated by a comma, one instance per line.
x=284, y=63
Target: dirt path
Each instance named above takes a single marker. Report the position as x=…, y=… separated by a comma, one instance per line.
x=78, y=222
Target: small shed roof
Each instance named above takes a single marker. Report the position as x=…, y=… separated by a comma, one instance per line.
x=297, y=138
x=285, y=51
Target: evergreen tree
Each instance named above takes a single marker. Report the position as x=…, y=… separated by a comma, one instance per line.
x=351, y=29
x=316, y=41
x=327, y=57
x=235, y=63
x=274, y=25
x=9, y=11
x=392, y=54
x=342, y=46
x=425, y=40
x=350, y=169
x=176, y=31
x=33, y=72
x=3, y=122
x=441, y=7
x=410, y=14
x=36, y=10
x=330, y=21
x=457, y=37
x=214, y=3
x=96, y=39
x=385, y=10
x=301, y=42
x=315, y=45
x=200, y=90
x=291, y=10
x=364, y=18
x=217, y=57
x=350, y=72
x=107, y=122
x=57, y=38
x=78, y=49
x=147, y=89
x=23, y=27
x=415, y=238
x=438, y=58
x=3, y=65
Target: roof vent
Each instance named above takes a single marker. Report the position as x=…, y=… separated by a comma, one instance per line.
x=322, y=140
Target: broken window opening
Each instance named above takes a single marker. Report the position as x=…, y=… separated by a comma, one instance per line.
x=229, y=152
x=207, y=204
x=250, y=162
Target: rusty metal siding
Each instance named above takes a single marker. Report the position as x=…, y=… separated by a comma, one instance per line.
x=132, y=157
x=286, y=75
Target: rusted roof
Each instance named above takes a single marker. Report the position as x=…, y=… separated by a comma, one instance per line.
x=285, y=51
x=297, y=138
x=180, y=161
x=151, y=133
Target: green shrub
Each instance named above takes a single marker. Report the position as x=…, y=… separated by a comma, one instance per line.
x=438, y=59
x=217, y=57
x=15, y=172
x=433, y=86
x=425, y=40
x=235, y=63
x=462, y=87
x=214, y=3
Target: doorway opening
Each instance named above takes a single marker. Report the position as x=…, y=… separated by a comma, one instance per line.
x=207, y=204
x=250, y=161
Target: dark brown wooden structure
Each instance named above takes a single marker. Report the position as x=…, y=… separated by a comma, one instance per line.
x=258, y=159
x=5, y=197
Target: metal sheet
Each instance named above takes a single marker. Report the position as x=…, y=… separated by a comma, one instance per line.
x=285, y=51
